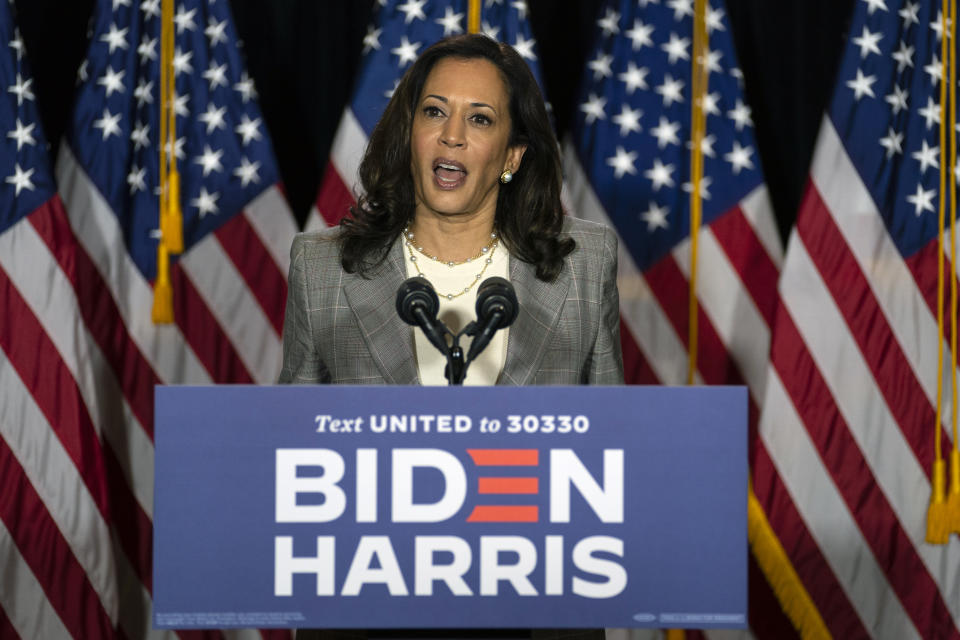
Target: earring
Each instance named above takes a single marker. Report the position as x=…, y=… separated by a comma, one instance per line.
x=506, y=176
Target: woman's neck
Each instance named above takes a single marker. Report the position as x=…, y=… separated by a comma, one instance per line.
x=451, y=239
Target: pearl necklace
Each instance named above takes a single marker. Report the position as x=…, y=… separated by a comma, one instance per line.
x=486, y=253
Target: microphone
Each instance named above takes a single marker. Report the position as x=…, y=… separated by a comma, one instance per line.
x=497, y=308
x=417, y=305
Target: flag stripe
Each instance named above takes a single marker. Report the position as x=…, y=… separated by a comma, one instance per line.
x=7, y=629
x=270, y=218
x=47, y=553
x=850, y=471
x=253, y=261
x=21, y=595
x=867, y=325
x=758, y=210
x=334, y=198
x=841, y=578
x=636, y=369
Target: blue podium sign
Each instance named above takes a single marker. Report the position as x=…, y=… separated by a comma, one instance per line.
x=442, y=507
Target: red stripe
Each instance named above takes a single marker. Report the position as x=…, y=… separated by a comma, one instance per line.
x=892, y=548
x=256, y=266
x=868, y=326
x=7, y=630
x=636, y=368
x=133, y=525
x=48, y=380
x=808, y=561
x=334, y=198
x=749, y=258
x=203, y=332
x=100, y=313
x=508, y=485
x=923, y=267
x=65, y=584
x=507, y=513
x=504, y=457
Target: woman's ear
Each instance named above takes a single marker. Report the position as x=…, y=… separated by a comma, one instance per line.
x=514, y=156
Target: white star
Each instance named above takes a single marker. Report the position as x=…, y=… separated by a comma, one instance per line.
x=181, y=61
x=180, y=105
x=931, y=112
x=704, y=187
x=897, y=99
x=736, y=73
x=521, y=8
x=712, y=61
x=406, y=52
x=921, y=200
x=22, y=90
x=655, y=217
x=739, y=158
x=660, y=175
x=147, y=50
x=109, y=124
x=120, y=3
x=137, y=179
x=609, y=23
x=17, y=43
x=249, y=129
x=593, y=107
x=892, y=142
x=22, y=134
x=216, y=75
x=115, y=38
x=868, y=42
x=927, y=157
x=414, y=10
x=144, y=92
x=247, y=172
x=714, y=19
x=934, y=70
x=372, y=39
x=246, y=88
x=666, y=132
x=676, y=49
x=82, y=71
x=213, y=118
x=634, y=78
x=205, y=202
x=216, y=31
x=112, y=81
x=489, y=30
x=862, y=85
x=628, y=119
x=710, y=103
x=873, y=5
x=644, y=3
x=525, y=47
x=601, y=66
x=177, y=148
x=450, y=22
x=139, y=136
x=909, y=14
x=740, y=115
x=937, y=25
x=640, y=35
x=184, y=19
x=21, y=179
x=903, y=56
x=671, y=90
x=151, y=8
x=622, y=162
x=210, y=160
x=706, y=145
x=681, y=8
x=389, y=92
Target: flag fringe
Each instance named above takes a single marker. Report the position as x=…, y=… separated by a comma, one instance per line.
x=781, y=575
x=953, y=496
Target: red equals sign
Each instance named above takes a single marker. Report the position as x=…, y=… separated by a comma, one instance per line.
x=499, y=485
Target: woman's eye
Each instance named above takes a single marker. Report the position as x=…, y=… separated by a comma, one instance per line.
x=432, y=112
x=479, y=118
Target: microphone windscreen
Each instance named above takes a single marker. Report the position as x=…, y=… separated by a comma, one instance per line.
x=416, y=292
x=497, y=294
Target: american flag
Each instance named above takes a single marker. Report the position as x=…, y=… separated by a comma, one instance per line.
x=401, y=31
x=627, y=165
x=229, y=290
x=849, y=414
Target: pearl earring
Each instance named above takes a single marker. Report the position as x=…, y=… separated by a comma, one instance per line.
x=506, y=176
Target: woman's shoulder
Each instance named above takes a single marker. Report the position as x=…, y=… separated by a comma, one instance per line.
x=316, y=245
x=592, y=237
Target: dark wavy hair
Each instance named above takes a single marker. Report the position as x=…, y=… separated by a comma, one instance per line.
x=529, y=216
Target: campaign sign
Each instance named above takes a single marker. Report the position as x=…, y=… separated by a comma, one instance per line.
x=419, y=507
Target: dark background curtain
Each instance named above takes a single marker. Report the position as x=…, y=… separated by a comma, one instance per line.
x=304, y=54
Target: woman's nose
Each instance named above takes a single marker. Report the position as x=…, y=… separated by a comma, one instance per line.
x=452, y=134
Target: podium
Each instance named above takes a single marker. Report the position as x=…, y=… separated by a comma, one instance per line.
x=442, y=507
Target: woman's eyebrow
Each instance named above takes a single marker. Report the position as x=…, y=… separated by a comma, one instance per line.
x=472, y=104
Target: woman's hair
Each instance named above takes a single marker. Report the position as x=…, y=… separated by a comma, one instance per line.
x=529, y=216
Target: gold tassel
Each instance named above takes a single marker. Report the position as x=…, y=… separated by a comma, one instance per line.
x=953, y=496
x=937, y=532
x=162, y=289
x=171, y=221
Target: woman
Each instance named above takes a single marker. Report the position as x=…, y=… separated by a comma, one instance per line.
x=461, y=181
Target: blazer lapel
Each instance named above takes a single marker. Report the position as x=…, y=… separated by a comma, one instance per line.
x=388, y=338
x=540, y=306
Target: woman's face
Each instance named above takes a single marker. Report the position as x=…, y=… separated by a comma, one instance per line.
x=458, y=143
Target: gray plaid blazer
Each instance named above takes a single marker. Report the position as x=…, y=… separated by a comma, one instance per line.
x=343, y=328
